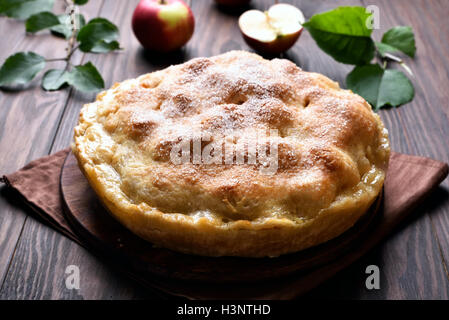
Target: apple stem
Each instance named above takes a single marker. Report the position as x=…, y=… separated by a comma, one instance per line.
x=388, y=56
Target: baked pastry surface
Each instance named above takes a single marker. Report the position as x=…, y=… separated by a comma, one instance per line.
x=332, y=156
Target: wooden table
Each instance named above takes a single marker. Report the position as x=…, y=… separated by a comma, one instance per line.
x=34, y=123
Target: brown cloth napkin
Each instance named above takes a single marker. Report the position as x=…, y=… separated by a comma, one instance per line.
x=409, y=180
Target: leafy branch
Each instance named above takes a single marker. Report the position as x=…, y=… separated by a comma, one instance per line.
x=99, y=35
x=344, y=34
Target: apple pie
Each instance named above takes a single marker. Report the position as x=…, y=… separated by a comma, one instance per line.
x=233, y=155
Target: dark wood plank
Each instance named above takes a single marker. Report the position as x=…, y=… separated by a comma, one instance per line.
x=12, y=114
x=426, y=119
x=29, y=121
x=10, y=222
x=421, y=127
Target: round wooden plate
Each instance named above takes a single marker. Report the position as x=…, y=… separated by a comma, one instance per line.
x=94, y=224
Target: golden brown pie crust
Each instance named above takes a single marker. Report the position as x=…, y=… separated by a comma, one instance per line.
x=333, y=153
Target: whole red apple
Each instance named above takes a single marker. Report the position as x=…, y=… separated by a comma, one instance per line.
x=163, y=25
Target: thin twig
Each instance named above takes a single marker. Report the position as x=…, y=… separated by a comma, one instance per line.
x=72, y=51
x=71, y=48
x=407, y=68
x=55, y=59
x=388, y=56
x=392, y=57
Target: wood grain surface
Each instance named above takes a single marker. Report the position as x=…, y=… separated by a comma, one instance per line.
x=33, y=123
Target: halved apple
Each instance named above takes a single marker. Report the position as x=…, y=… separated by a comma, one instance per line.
x=273, y=31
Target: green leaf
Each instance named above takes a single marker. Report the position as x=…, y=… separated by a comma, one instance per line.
x=21, y=68
x=102, y=20
x=343, y=34
x=98, y=36
x=54, y=79
x=23, y=9
x=365, y=81
x=385, y=48
x=103, y=47
x=80, y=2
x=401, y=39
x=64, y=28
x=395, y=89
x=40, y=21
x=85, y=78
x=380, y=87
